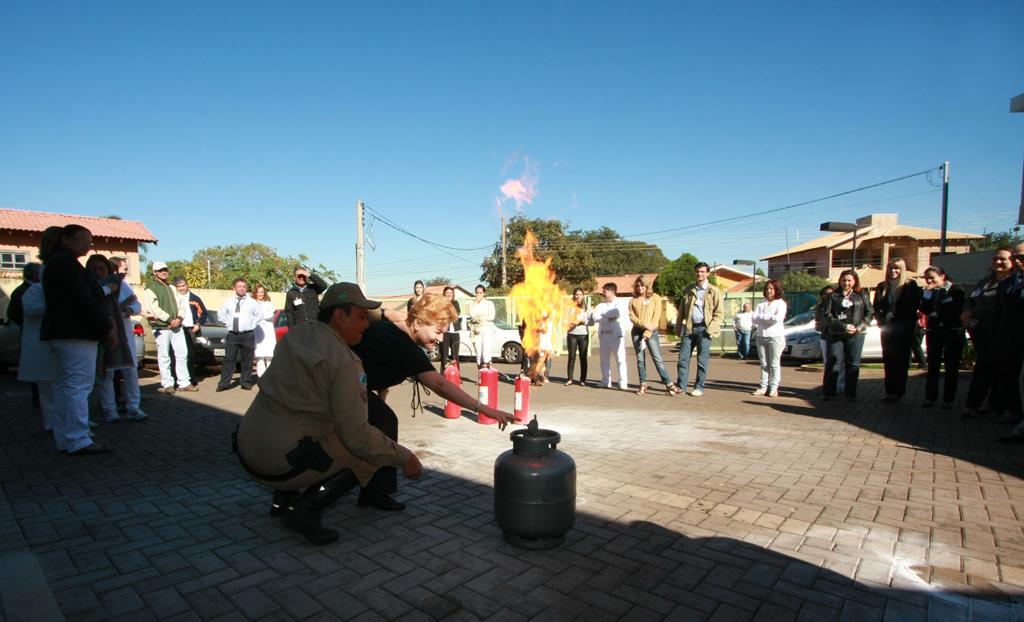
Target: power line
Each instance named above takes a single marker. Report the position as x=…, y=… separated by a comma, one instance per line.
x=378, y=216
x=779, y=209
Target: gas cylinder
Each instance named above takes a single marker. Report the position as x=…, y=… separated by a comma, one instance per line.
x=522, y=398
x=488, y=396
x=535, y=489
x=452, y=375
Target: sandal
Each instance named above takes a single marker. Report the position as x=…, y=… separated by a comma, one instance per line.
x=642, y=390
x=672, y=390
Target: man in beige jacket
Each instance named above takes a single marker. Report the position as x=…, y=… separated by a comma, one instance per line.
x=306, y=435
x=699, y=322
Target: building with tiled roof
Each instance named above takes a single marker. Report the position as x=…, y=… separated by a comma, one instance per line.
x=623, y=282
x=879, y=238
x=20, y=232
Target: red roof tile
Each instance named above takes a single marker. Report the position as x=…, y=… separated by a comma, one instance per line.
x=23, y=220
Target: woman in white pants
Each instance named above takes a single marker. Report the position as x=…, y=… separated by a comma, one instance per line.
x=121, y=305
x=771, y=338
x=74, y=323
x=481, y=325
x=38, y=363
x=266, y=338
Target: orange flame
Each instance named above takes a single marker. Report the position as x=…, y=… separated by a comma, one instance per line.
x=538, y=300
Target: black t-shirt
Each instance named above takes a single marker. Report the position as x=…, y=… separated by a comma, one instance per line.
x=389, y=356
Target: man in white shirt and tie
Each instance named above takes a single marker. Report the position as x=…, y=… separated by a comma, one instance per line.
x=611, y=341
x=241, y=314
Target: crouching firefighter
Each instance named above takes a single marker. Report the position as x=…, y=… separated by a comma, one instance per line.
x=306, y=435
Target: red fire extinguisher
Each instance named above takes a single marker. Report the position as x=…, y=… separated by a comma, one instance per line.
x=522, y=398
x=488, y=393
x=452, y=375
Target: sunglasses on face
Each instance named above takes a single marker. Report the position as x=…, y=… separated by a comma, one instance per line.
x=300, y=277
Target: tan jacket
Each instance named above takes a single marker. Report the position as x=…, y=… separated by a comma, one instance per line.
x=714, y=311
x=644, y=312
x=316, y=387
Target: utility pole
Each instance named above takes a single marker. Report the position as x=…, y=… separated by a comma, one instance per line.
x=945, y=206
x=504, y=272
x=360, y=276
x=207, y=271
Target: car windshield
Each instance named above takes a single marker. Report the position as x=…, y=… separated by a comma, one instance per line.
x=503, y=325
x=800, y=318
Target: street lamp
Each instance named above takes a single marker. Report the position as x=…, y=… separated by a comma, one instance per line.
x=753, y=275
x=1017, y=105
x=842, y=227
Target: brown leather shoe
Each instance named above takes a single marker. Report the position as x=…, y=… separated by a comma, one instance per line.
x=190, y=388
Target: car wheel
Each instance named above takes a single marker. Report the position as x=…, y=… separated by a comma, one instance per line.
x=512, y=352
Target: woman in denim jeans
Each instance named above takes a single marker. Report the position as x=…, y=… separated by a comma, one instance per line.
x=645, y=314
x=771, y=339
x=846, y=319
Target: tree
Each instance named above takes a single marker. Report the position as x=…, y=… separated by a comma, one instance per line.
x=576, y=255
x=257, y=263
x=438, y=280
x=996, y=239
x=615, y=255
x=570, y=259
x=676, y=276
x=802, y=282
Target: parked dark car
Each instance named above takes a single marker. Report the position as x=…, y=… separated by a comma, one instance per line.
x=280, y=324
x=210, y=341
x=10, y=343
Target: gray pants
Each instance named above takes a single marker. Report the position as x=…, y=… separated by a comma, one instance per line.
x=769, y=351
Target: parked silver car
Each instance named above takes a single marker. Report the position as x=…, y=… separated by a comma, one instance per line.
x=804, y=343
x=506, y=345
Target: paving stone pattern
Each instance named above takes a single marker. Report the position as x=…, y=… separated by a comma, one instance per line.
x=722, y=507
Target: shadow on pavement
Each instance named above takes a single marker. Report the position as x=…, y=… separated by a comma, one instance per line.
x=168, y=525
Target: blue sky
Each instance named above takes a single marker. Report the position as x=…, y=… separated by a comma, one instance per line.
x=221, y=123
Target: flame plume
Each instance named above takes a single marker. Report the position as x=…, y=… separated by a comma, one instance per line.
x=538, y=300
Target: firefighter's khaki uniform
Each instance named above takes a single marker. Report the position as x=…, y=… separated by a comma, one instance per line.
x=316, y=387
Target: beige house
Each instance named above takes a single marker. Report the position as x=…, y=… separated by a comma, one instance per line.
x=20, y=232
x=879, y=238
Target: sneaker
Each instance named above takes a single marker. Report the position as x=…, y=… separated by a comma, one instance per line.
x=772, y=393
x=624, y=387
x=93, y=424
x=696, y=393
x=113, y=418
x=190, y=388
x=758, y=392
x=139, y=416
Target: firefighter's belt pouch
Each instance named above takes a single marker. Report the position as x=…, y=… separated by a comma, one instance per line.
x=307, y=455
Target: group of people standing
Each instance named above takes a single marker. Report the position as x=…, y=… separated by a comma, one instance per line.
x=76, y=331
x=991, y=314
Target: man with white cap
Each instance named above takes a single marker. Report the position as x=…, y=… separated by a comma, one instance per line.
x=306, y=434
x=160, y=305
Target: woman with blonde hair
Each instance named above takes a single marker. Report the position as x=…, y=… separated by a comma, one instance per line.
x=392, y=352
x=266, y=338
x=645, y=314
x=896, y=302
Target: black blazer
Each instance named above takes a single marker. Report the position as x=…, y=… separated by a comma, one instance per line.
x=943, y=308
x=903, y=308
x=74, y=301
x=836, y=316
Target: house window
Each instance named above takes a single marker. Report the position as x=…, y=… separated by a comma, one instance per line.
x=13, y=260
x=810, y=266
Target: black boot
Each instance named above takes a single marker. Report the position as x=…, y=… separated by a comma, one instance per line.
x=282, y=499
x=379, y=500
x=303, y=517
x=334, y=488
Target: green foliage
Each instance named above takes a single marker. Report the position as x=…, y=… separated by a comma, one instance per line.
x=571, y=260
x=257, y=263
x=802, y=282
x=995, y=239
x=437, y=280
x=676, y=276
x=576, y=255
x=614, y=255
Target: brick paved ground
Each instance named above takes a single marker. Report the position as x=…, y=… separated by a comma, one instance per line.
x=724, y=507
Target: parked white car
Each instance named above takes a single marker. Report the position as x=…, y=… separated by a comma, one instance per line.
x=804, y=343
x=505, y=345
